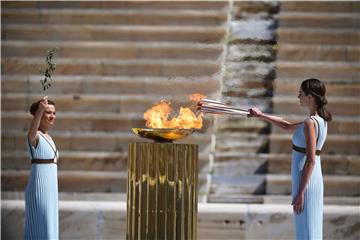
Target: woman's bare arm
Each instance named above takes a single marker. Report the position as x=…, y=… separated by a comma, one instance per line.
x=35, y=123
x=276, y=120
x=310, y=138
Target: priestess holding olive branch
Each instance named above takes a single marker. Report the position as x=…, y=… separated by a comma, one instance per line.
x=308, y=139
x=41, y=193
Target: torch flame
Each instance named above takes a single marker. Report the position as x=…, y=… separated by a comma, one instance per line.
x=158, y=116
x=196, y=97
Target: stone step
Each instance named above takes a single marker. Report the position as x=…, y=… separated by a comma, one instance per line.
x=100, y=103
x=330, y=164
x=249, y=78
x=71, y=196
x=290, y=87
x=107, y=219
x=339, y=125
x=84, y=161
x=89, y=181
x=71, y=161
x=321, y=70
x=84, y=32
x=319, y=6
x=114, y=16
x=252, y=92
x=251, y=67
x=327, y=81
x=277, y=199
x=250, y=9
x=328, y=200
x=95, y=196
x=333, y=185
x=91, y=121
x=90, y=84
x=236, y=199
x=251, y=52
x=230, y=124
x=104, y=66
x=318, y=20
x=91, y=141
x=118, y=50
x=241, y=198
x=245, y=142
x=318, y=36
x=300, y=52
x=239, y=163
x=76, y=181
x=338, y=106
x=232, y=186
x=335, y=144
x=153, y=5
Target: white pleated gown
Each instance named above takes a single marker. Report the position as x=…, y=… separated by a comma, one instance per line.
x=309, y=224
x=41, y=195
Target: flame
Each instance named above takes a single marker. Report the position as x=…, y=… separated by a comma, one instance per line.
x=196, y=97
x=158, y=116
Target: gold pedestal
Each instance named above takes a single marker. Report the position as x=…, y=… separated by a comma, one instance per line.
x=162, y=191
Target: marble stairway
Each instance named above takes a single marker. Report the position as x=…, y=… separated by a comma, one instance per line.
x=116, y=60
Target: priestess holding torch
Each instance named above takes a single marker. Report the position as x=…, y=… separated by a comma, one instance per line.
x=308, y=139
x=306, y=175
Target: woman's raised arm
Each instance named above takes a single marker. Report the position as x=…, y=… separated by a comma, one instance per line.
x=35, y=123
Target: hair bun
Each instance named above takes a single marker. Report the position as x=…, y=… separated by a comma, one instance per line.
x=324, y=100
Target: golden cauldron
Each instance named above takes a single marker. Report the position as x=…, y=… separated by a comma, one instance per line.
x=163, y=134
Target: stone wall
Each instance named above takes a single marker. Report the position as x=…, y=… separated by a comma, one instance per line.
x=247, y=75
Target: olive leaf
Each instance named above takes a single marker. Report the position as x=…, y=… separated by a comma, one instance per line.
x=50, y=68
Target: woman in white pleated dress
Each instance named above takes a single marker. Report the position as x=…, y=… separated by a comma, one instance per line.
x=41, y=194
x=308, y=139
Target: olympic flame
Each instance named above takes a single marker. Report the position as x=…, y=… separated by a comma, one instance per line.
x=158, y=115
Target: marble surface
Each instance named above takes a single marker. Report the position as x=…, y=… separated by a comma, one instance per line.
x=107, y=220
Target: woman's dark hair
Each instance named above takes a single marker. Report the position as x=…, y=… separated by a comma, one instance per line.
x=317, y=89
x=35, y=106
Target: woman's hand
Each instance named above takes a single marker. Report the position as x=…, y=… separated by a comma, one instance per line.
x=254, y=112
x=43, y=104
x=298, y=203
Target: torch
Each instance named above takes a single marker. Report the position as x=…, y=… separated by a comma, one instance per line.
x=216, y=107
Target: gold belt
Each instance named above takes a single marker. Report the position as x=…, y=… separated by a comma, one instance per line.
x=303, y=150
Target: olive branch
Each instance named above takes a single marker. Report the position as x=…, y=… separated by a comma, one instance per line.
x=50, y=68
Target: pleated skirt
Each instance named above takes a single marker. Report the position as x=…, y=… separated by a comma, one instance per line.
x=41, y=203
x=308, y=224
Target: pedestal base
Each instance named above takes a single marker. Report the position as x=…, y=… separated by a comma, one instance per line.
x=162, y=191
